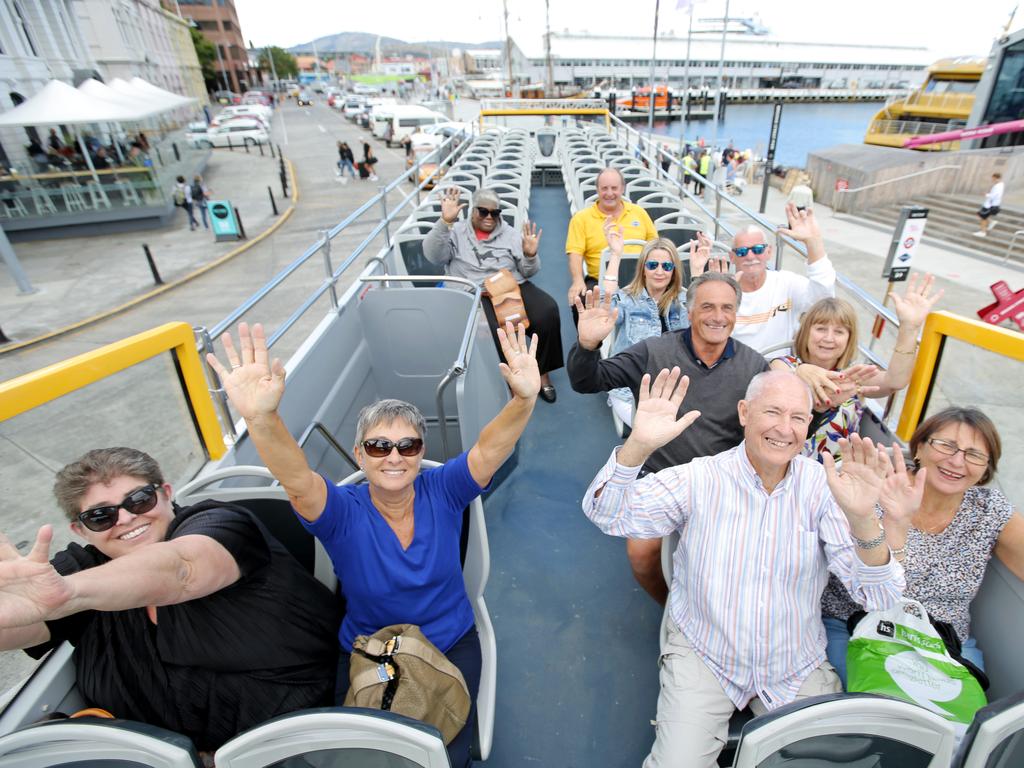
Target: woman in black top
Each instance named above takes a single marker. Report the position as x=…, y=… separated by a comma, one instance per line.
x=196, y=620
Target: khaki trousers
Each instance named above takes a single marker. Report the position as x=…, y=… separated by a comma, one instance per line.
x=693, y=710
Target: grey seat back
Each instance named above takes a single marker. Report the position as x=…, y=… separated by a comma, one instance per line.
x=92, y=742
x=350, y=736
x=995, y=739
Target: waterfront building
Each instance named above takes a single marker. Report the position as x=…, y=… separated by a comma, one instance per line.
x=141, y=38
x=752, y=60
x=218, y=21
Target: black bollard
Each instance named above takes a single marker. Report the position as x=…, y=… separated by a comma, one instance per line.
x=241, y=228
x=271, y=145
x=273, y=202
x=260, y=145
x=3, y=338
x=279, y=152
x=230, y=147
x=284, y=185
x=177, y=154
x=152, y=265
x=246, y=143
x=159, y=157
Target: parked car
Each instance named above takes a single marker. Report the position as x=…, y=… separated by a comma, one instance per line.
x=237, y=132
x=227, y=97
x=256, y=97
x=257, y=111
x=304, y=99
x=353, y=106
x=196, y=134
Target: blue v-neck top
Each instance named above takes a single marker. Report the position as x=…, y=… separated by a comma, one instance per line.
x=384, y=584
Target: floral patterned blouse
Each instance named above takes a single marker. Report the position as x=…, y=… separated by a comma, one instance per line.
x=842, y=420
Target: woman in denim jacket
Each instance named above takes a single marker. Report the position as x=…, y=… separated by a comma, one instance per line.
x=653, y=303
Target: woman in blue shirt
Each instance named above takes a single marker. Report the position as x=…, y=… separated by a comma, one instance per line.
x=394, y=541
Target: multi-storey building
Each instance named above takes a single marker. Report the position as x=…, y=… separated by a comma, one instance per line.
x=218, y=21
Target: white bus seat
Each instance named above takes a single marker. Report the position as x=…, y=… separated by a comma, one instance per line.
x=840, y=728
x=476, y=569
x=255, y=489
x=995, y=739
x=93, y=742
x=315, y=737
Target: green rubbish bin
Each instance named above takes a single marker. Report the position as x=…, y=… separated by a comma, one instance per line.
x=222, y=220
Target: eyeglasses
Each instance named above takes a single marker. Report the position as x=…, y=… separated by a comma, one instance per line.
x=135, y=503
x=971, y=456
x=743, y=250
x=379, y=447
x=652, y=265
x=485, y=212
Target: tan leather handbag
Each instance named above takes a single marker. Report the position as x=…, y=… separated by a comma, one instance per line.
x=507, y=299
x=398, y=669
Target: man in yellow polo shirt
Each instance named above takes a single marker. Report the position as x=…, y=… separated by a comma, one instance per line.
x=586, y=239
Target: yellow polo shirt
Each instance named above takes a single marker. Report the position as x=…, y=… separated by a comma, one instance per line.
x=586, y=233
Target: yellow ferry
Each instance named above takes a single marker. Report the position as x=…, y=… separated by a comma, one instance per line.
x=942, y=103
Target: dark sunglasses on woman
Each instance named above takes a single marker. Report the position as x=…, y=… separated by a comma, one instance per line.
x=668, y=266
x=379, y=447
x=137, y=502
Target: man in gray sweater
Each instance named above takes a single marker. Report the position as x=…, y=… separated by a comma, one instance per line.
x=477, y=248
x=719, y=368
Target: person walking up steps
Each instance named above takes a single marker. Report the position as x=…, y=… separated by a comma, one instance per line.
x=990, y=208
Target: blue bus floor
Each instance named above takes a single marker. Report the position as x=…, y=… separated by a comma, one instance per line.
x=577, y=637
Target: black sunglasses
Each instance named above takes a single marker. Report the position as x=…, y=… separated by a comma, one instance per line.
x=485, y=212
x=743, y=249
x=379, y=447
x=135, y=503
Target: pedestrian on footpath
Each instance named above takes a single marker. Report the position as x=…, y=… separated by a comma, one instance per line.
x=990, y=208
x=346, y=161
x=183, y=199
x=369, y=161
x=200, y=196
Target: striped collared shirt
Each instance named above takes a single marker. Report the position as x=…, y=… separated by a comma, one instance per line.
x=750, y=566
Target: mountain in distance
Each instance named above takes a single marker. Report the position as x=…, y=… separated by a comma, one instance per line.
x=364, y=42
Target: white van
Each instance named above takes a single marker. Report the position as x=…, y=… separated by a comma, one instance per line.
x=406, y=120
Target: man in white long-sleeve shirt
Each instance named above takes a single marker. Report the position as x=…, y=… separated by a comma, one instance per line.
x=990, y=208
x=759, y=528
x=773, y=300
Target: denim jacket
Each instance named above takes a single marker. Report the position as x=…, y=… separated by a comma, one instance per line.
x=638, y=320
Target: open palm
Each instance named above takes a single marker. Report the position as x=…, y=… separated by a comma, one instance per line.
x=31, y=590
x=521, y=372
x=597, y=318
x=902, y=492
x=253, y=384
x=917, y=301
x=859, y=486
x=656, y=422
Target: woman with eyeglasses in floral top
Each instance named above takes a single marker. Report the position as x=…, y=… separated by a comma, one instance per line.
x=942, y=525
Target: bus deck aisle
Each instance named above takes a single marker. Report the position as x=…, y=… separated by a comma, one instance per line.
x=577, y=637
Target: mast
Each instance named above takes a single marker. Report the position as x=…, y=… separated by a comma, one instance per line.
x=721, y=65
x=549, y=86
x=654, y=51
x=508, y=47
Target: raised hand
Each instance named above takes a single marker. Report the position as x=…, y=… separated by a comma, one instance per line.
x=901, y=492
x=253, y=384
x=521, y=372
x=31, y=590
x=613, y=234
x=859, y=486
x=655, y=422
x=596, y=320
x=450, y=205
x=700, y=257
x=802, y=224
x=531, y=238
x=913, y=306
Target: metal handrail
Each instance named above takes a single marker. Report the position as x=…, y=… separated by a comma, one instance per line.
x=459, y=366
x=1013, y=241
x=900, y=178
x=316, y=426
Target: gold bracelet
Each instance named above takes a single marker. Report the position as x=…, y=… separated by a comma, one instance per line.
x=904, y=352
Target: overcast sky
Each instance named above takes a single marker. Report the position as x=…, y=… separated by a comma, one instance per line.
x=966, y=28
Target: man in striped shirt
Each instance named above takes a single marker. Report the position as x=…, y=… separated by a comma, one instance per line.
x=760, y=527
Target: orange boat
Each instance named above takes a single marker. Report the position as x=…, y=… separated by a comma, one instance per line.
x=640, y=100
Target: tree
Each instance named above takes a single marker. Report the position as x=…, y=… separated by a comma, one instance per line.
x=284, y=62
x=207, y=56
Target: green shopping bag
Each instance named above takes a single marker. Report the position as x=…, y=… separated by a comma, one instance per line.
x=897, y=652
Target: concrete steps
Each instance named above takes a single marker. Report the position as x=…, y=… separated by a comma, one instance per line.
x=952, y=220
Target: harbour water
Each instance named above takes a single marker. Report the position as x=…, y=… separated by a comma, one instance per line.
x=804, y=128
